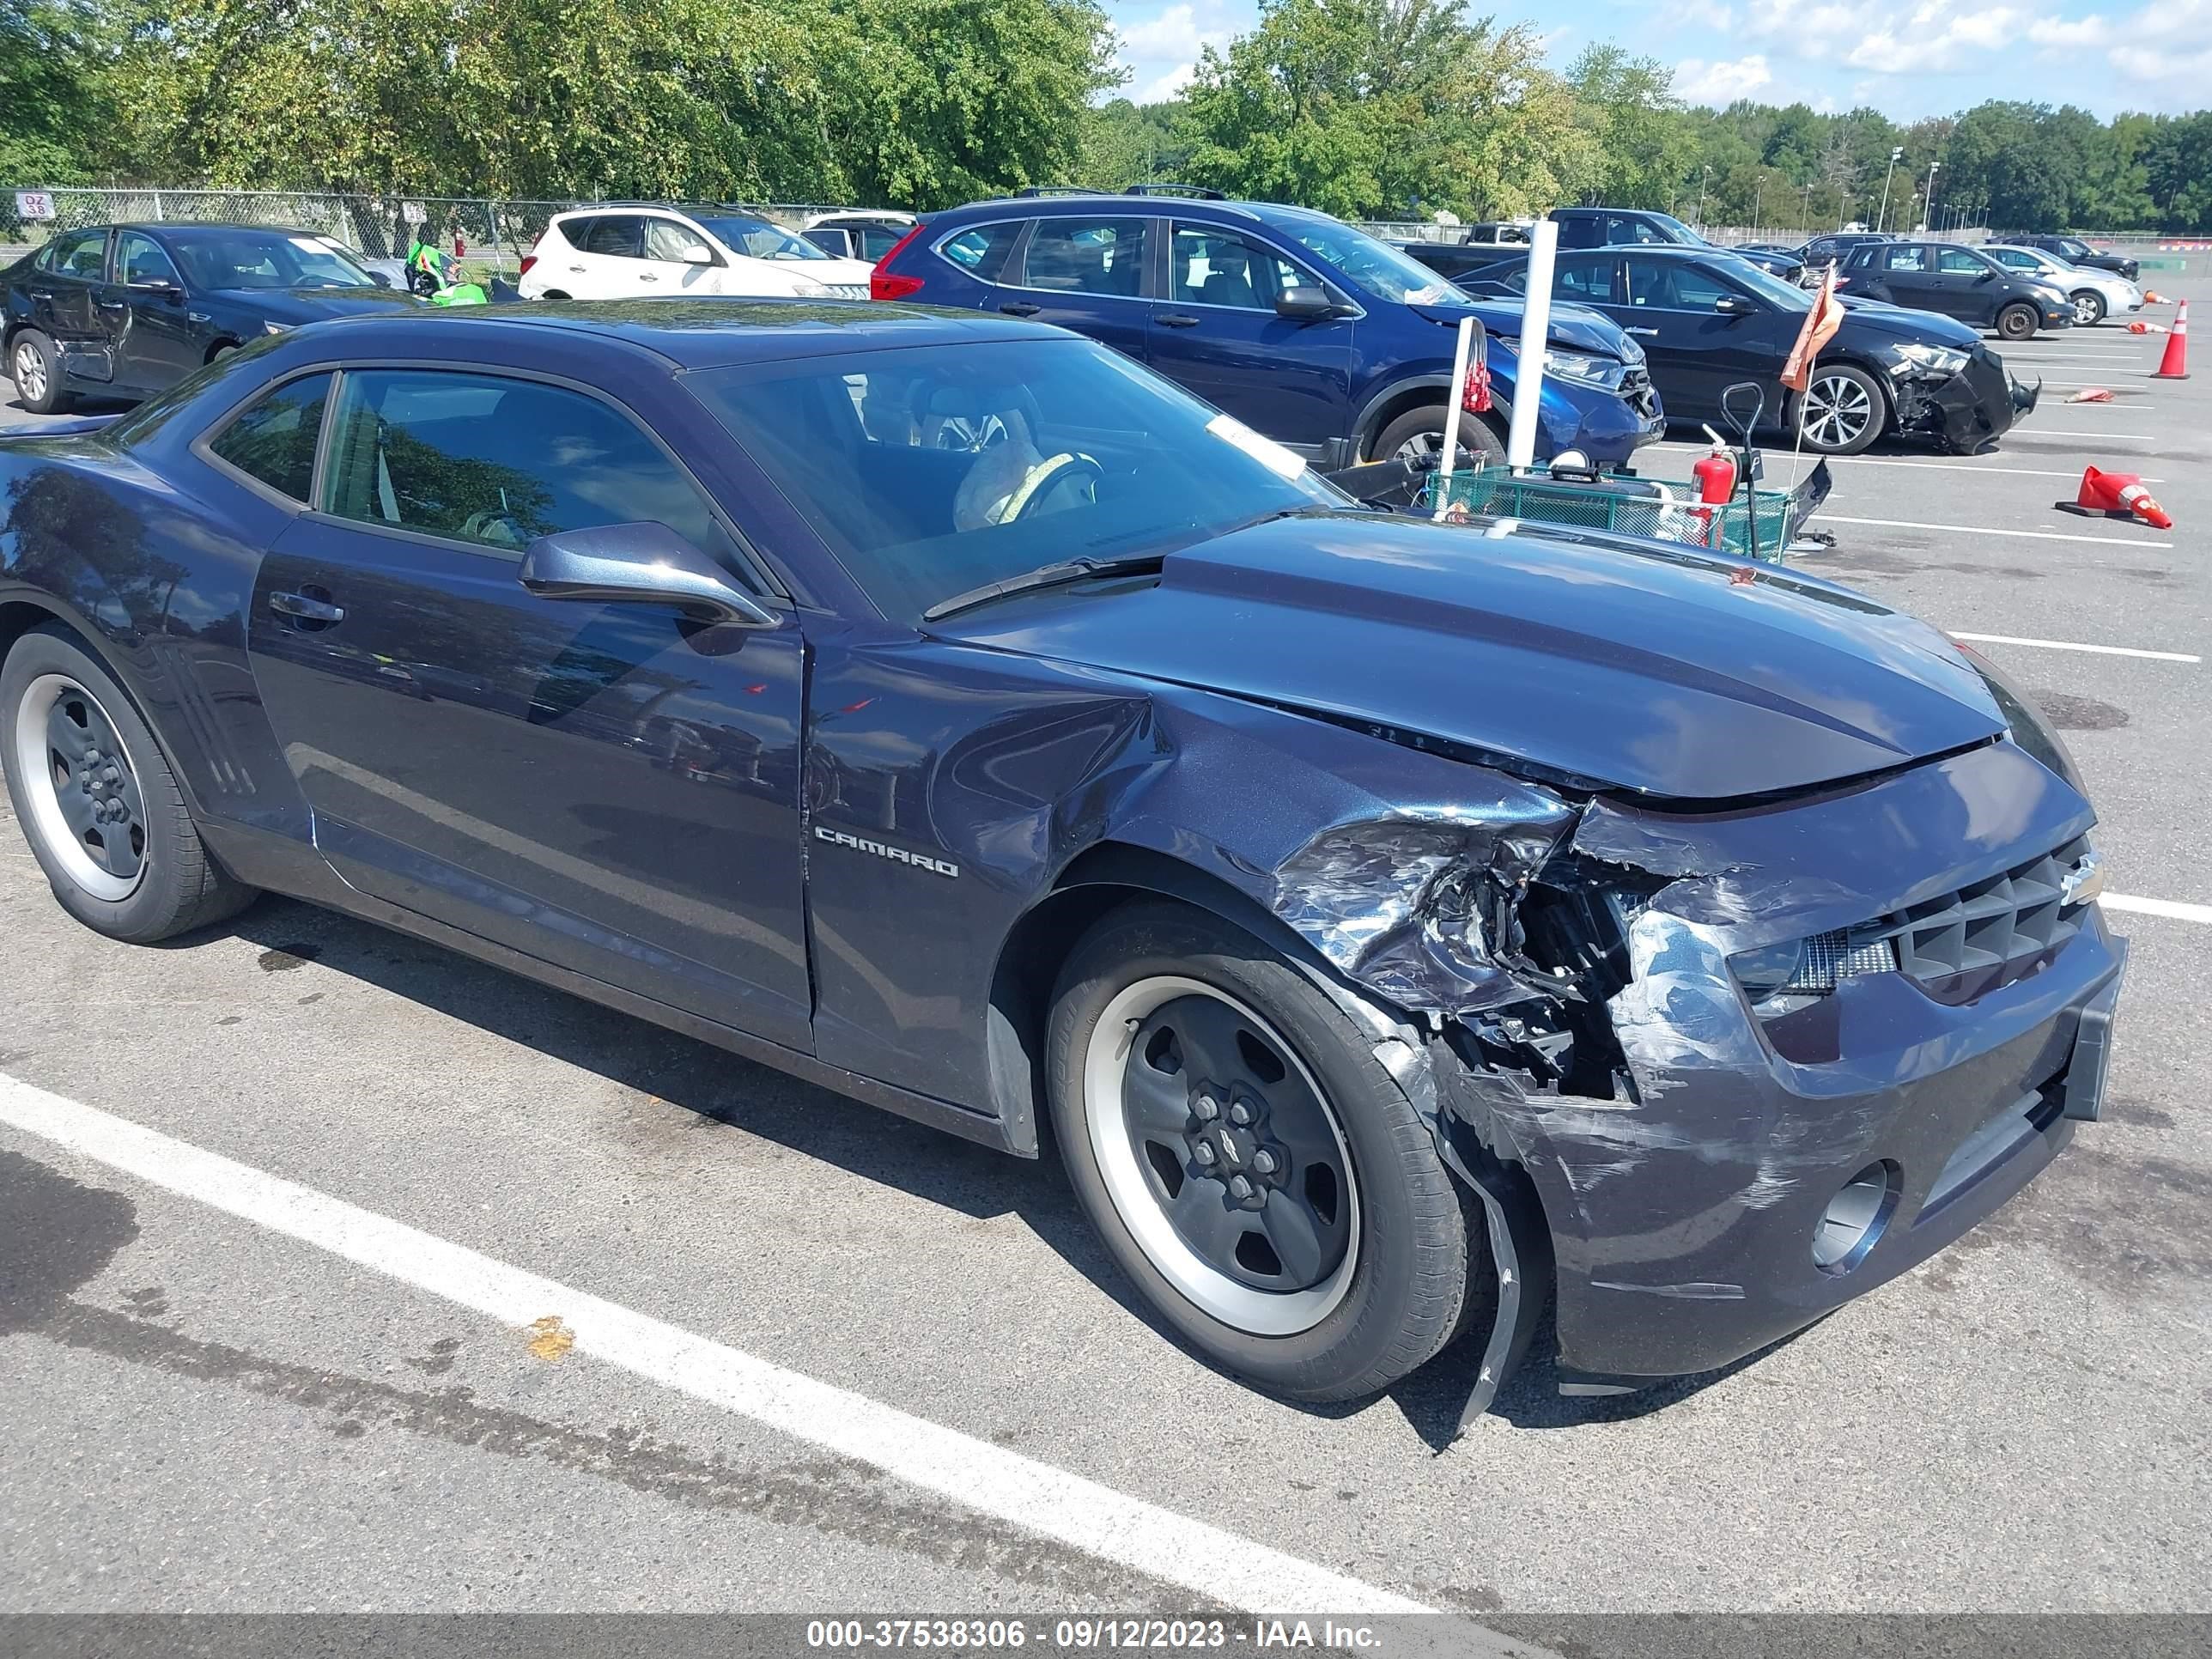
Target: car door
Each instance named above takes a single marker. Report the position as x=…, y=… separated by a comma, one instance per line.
x=1904, y=275
x=153, y=342
x=610, y=788
x=607, y=254
x=1711, y=333
x=1217, y=334
x=667, y=266
x=1090, y=274
x=1966, y=287
x=63, y=289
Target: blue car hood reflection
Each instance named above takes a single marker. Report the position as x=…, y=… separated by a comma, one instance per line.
x=1573, y=327
x=1639, y=668
x=313, y=304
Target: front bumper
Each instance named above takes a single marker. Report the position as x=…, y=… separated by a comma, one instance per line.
x=1730, y=1268
x=1970, y=410
x=1609, y=429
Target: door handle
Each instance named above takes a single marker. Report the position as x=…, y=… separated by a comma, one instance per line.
x=1653, y=332
x=646, y=276
x=1020, y=308
x=115, y=304
x=306, y=609
x=1174, y=319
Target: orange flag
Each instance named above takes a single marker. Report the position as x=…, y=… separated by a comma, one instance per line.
x=1821, y=322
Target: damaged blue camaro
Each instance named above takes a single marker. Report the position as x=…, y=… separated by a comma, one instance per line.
x=1395, y=927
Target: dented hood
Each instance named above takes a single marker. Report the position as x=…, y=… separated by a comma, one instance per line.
x=1639, y=666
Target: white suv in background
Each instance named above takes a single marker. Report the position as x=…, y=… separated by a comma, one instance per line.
x=626, y=251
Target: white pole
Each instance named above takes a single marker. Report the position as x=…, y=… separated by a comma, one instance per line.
x=1458, y=395
x=1535, y=329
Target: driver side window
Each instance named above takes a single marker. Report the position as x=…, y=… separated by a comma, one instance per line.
x=499, y=463
x=140, y=259
x=669, y=241
x=1958, y=261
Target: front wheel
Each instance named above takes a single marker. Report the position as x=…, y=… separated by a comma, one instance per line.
x=36, y=369
x=2088, y=308
x=1419, y=436
x=1844, y=409
x=96, y=799
x=2017, y=322
x=1248, y=1163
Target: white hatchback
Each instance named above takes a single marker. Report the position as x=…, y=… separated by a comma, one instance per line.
x=624, y=253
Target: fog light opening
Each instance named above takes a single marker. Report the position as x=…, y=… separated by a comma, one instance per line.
x=1855, y=1217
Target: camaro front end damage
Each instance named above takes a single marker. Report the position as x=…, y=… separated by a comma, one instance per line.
x=1695, y=1159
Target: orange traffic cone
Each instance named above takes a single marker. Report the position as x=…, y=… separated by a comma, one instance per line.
x=2174, y=365
x=2146, y=328
x=2115, y=496
x=2153, y=297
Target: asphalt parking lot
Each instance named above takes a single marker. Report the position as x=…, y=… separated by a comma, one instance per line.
x=207, y=1411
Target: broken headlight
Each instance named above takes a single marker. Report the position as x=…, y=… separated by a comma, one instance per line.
x=1582, y=369
x=1778, y=979
x=1921, y=358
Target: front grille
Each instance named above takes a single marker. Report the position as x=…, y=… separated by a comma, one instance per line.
x=1994, y=928
x=1965, y=943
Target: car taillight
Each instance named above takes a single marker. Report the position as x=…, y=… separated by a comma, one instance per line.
x=528, y=260
x=883, y=283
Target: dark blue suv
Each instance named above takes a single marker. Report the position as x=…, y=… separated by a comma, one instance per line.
x=1304, y=327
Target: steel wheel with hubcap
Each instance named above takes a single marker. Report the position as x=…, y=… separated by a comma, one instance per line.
x=83, y=792
x=2088, y=308
x=1247, y=1161
x=96, y=799
x=1842, y=411
x=1222, y=1156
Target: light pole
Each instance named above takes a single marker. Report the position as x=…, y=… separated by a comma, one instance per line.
x=1896, y=154
x=1758, y=195
x=1702, y=178
x=1929, y=210
x=1805, y=211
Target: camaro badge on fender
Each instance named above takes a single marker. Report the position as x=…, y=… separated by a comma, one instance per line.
x=895, y=854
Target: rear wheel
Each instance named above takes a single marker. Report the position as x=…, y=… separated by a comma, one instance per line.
x=35, y=366
x=2017, y=322
x=1842, y=409
x=1248, y=1163
x=2088, y=308
x=96, y=799
x=1418, y=434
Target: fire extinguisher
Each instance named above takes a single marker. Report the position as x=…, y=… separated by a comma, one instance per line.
x=1716, y=476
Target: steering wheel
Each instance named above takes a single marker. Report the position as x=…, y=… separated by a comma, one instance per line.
x=1048, y=479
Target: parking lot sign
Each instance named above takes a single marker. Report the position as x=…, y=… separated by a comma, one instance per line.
x=34, y=204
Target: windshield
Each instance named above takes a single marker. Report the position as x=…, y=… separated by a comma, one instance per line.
x=931, y=471
x=265, y=258
x=1676, y=231
x=1373, y=267
x=757, y=239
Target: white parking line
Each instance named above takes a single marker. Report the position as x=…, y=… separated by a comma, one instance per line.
x=976, y=1475
x=2068, y=432
x=2074, y=645
x=2151, y=907
x=1985, y=530
x=1911, y=464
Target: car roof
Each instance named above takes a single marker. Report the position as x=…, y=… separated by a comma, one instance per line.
x=713, y=333
x=1056, y=203
x=159, y=227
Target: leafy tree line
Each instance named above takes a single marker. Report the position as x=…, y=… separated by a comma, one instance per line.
x=1393, y=109
x=1368, y=108
x=919, y=102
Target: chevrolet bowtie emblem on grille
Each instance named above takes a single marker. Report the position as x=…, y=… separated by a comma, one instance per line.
x=895, y=854
x=2084, y=882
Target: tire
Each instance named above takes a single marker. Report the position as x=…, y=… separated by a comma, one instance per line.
x=147, y=876
x=35, y=366
x=221, y=351
x=2017, y=322
x=1421, y=431
x=552, y=294
x=1378, y=1253
x=1844, y=409
x=2088, y=308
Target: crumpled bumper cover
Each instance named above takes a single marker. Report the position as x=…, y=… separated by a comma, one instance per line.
x=1969, y=410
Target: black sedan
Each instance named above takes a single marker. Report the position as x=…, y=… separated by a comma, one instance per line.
x=948, y=710
x=1707, y=321
x=126, y=311
x=1958, y=282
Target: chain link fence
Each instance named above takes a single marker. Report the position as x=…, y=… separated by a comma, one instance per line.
x=488, y=234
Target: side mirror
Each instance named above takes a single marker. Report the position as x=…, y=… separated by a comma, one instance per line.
x=698, y=254
x=1734, y=304
x=1304, y=304
x=639, y=564
x=380, y=279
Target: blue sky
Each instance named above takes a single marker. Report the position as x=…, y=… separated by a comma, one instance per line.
x=1906, y=58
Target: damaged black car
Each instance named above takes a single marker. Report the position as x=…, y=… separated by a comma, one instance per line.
x=1708, y=321
x=1395, y=928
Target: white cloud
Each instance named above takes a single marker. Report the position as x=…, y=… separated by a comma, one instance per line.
x=2090, y=30
x=1934, y=39
x=1161, y=53
x=1697, y=82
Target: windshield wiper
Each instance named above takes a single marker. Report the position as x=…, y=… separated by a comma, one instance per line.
x=1047, y=575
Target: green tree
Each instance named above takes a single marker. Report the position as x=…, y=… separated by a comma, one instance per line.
x=54, y=101
x=1642, y=141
